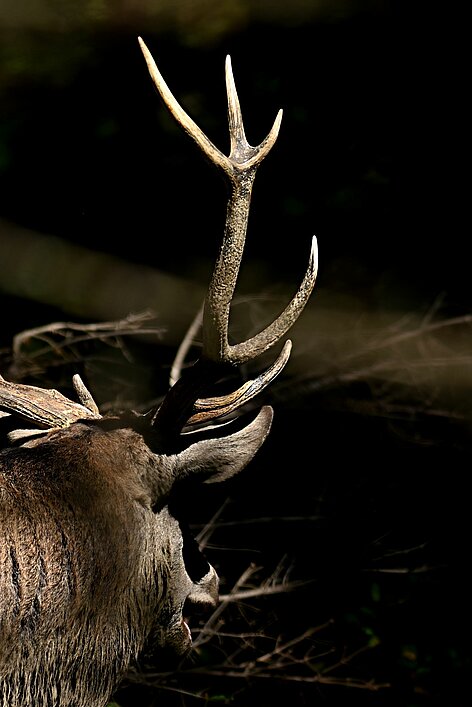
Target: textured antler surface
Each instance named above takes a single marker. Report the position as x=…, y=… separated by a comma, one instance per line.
x=46, y=408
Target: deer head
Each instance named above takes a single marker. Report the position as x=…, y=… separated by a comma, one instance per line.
x=95, y=564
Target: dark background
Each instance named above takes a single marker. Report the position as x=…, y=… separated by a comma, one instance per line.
x=361, y=489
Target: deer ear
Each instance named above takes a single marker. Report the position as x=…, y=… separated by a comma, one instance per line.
x=220, y=458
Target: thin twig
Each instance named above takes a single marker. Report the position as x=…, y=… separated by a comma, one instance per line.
x=182, y=351
x=264, y=590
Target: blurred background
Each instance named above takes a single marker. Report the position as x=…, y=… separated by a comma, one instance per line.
x=353, y=519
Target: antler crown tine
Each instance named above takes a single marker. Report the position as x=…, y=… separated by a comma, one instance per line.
x=242, y=153
x=181, y=117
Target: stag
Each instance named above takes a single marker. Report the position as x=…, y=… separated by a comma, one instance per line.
x=96, y=568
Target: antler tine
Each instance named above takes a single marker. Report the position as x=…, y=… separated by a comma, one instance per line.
x=256, y=345
x=206, y=409
x=182, y=118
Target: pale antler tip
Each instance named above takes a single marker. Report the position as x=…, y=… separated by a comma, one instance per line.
x=287, y=347
x=277, y=122
x=314, y=252
x=145, y=51
x=229, y=70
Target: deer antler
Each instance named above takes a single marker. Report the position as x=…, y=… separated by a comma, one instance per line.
x=47, y=407
x=182, y=404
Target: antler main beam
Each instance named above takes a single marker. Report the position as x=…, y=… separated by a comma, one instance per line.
x=240, y=169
